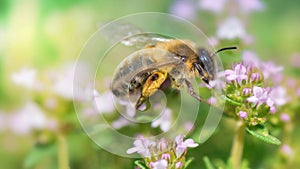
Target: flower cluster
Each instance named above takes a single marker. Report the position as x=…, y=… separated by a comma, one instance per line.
x=163, y=154
x=247, y=90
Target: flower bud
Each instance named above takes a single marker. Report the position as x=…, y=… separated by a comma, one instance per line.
x=243, y=114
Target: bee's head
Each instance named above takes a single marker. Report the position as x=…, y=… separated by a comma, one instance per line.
x=205, y=64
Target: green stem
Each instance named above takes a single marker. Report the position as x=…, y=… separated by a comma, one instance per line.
x=238, y=145
x=63, y=161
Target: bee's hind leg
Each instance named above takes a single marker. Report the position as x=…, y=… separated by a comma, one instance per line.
x=151, y=85
x=141, y=101
x=192, y=92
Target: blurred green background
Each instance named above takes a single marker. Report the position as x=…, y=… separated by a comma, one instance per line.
x=45, y=34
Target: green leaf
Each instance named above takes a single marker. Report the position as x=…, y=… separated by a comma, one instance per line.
x=188, y=162
x=38, y=153
x=208, y=163
x=140, y=164
x=232, y=102
x=263, y=134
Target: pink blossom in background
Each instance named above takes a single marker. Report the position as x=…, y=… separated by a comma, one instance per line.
x=290, y=82
x=231, y=28
x=271, y=70
x=250, y=59
x=3, y=119
x=213, y=41
x=279, y=96
x=212, y=5
x=164, y=121
x=248, y=39
x=243, y=6
x=188, y=126
x=285, y=117
x=120, y=122
x=27, y=77
x=183, y=8
x=62, y=80
x=28, y=118
x=248, y=6
x=104, y=102
x=287, y=150
x=273, y=110
x=295, y=60
x=298, y=92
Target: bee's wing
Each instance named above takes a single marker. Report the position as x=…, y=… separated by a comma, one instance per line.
x=130, y=35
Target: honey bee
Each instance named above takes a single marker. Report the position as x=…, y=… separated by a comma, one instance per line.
x=143, y=72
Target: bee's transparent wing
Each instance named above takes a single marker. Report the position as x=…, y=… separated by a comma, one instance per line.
x=130, y=35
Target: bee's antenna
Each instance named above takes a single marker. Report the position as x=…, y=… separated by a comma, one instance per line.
x=226, y=48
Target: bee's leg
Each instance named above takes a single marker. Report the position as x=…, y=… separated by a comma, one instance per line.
x=192, y=92
x=152, y=84
x=174, y=84
x=142, y=100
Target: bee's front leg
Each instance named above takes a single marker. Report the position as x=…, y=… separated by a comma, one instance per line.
x=192, y=92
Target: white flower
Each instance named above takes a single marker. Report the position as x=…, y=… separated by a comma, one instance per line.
x=271, y=70
x=183, y=8
x=231, y=28
x=278, y=95
x=248, y=6
x=164, y=121
x=119, y=123
x=26, y=78
x=27, y=118
x=181, y=145
x=142, y=146
x=287, y=150
x=250, y=59
x=3, y=121
x=63, y=81
x=212, y=5
x=104, y=102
